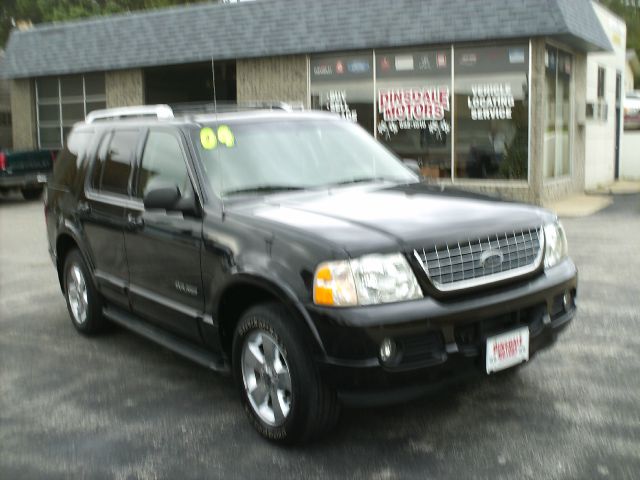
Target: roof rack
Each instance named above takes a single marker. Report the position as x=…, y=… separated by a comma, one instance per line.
x=224, y=107
x=158, y=111
x=166, y=112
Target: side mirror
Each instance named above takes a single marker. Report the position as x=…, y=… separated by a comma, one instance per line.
x=171, y=200
x=162, y=199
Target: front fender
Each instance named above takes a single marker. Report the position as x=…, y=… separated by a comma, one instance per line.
x=275, y=287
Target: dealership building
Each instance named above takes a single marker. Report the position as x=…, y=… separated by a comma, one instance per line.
x=491, y=96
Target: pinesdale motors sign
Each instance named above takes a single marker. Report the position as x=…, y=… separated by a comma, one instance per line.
x=414, y=109
x=413, y=104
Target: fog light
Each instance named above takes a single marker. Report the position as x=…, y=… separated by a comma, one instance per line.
x=388, y=350
x=566, y=301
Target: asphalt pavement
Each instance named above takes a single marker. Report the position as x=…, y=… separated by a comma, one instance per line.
x=119, y=406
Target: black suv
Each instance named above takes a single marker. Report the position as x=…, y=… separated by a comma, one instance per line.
x=295, y=251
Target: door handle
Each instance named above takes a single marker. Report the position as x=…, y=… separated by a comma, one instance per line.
x=135, y=222
x=84, y=208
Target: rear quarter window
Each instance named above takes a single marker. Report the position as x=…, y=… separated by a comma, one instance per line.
x=68, y=162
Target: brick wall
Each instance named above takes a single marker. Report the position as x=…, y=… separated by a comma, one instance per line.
x=124, y=88
x=273, y=78
x=537, y=120
x=517, y=191
x=6, y=139
x=553, y=189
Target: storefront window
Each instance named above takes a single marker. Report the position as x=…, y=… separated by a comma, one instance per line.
x=344, y=84
x=492, y=112
x=63, y=101
x=469, y=105
x=558, y=113
x=414, y=107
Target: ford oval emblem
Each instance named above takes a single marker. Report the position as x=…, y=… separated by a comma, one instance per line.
x=491, y=259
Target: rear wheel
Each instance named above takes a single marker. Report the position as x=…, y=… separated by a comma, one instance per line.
x=31, y=193
x=83, y=301
x=280, y=387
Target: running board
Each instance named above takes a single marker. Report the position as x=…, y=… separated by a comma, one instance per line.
x=181, y=347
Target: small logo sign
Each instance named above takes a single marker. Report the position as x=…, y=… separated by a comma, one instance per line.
x=425, y=63
x=468, y=59
x=323, y=69
x=404, y=62
x=358, y=66
x=491, y=259
x=516, y=55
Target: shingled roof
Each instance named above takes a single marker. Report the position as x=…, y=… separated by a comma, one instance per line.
x=279, y=27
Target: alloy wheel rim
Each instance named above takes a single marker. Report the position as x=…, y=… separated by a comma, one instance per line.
x=266, y=377
x=77, y=294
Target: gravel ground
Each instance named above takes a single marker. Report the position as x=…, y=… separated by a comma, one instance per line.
x=121, y=407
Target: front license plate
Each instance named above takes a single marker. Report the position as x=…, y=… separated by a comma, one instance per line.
x=41, y=178
x=507, y=349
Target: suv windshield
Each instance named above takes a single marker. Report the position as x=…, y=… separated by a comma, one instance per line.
x=286, y=155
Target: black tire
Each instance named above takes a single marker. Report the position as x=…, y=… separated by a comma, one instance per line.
x=31, y=193
x=93, y=322
x=314, y=407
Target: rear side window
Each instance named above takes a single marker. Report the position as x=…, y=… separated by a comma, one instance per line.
x=163, y=164
x=116, y=167
x=66, y=166
x=96, y=173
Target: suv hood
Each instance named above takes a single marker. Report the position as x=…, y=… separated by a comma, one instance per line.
x=382, y=217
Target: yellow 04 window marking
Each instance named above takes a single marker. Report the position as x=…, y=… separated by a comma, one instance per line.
x=225, y=136
x=208, y=138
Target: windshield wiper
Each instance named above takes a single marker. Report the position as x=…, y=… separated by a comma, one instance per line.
x=362, y=180
x=263, y=189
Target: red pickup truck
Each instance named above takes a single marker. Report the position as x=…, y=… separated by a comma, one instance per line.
x=25, y=170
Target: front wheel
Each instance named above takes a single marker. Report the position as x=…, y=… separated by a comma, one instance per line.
x=280, y=387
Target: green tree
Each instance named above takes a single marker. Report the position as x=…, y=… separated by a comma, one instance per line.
x=629, y=10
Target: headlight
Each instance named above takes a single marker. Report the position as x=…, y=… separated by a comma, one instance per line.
x=555, y=243
x=367, y=280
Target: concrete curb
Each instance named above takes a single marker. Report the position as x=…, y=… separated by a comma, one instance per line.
x=580, y=205
x=622, y=187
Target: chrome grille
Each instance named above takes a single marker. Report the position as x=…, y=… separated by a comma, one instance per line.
x=481, y=261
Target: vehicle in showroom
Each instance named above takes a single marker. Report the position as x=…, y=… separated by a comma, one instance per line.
x=294, y=251
x=632, y=110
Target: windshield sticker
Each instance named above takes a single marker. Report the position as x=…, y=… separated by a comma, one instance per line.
x=225, y=136
x=208, y=138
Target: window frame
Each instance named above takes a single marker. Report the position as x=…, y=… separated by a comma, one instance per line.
x=188, y=158
x=494, y=182
x=99, y=161
x=601, y=87
x=572, y=117
x=412, y=51
x=80, y=158
x=135, y=184
x=60, y=103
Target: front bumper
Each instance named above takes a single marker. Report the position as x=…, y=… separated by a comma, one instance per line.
x=439, y=340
